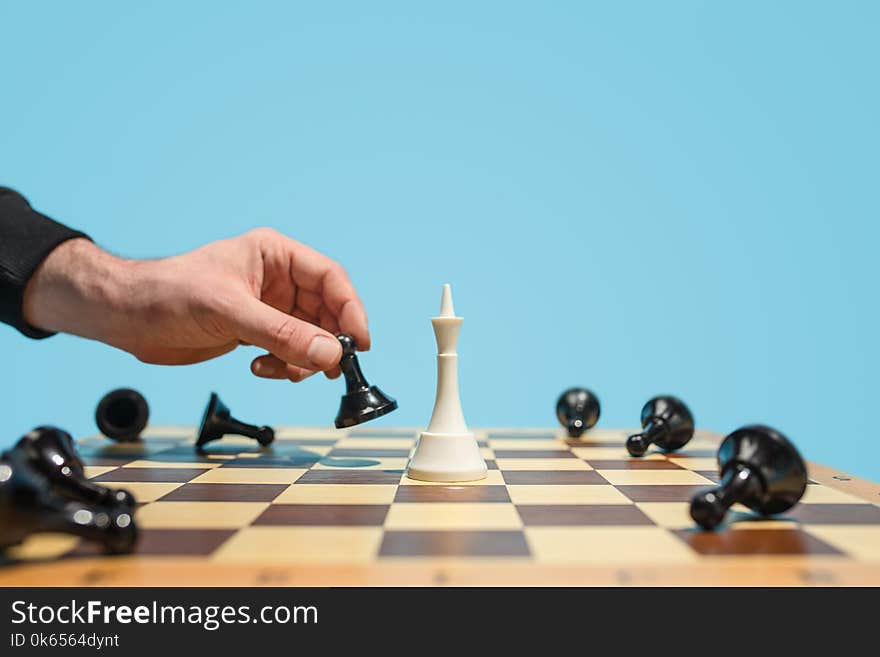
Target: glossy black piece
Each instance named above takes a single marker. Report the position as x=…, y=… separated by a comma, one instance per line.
x=122, y=414
x=28, y=506
x=666, y=422
x=361, y=401
x=51, y=452
x=217, y=422
x=577, y=410
x=760, y=468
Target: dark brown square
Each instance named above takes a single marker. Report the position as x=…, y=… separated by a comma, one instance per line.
x=151, y=474
x=652, y=493
x=836, y=514
x=454, y=544
x=533, y=454
x=225, y=493
x=582, y=514
x=343, y=476
x=182, y=542
x=491, y=464
x=632, y=464
x=274, y=462
x=560, y=477
x=407, y=494
x=711, y=475
x=324, y=514
x=754, y=542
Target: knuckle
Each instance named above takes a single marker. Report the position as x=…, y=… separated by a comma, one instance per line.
x=287, y=333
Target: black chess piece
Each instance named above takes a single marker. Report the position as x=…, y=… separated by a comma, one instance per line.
x=50, y=451
x=577, y=410
x=217, y=422
x=28, y=506
x=361, y=401
x=122, y=414
x=760, y=468
x=666, y=422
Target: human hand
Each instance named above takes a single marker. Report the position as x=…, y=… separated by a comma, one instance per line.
x=261, y=288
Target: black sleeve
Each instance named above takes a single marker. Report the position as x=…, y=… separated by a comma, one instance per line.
x=26, y=238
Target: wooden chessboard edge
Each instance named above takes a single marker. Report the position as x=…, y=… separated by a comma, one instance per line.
x=176, y=572
x=845, y=483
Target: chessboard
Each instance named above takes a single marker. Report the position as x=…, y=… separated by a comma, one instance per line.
x=322, y=507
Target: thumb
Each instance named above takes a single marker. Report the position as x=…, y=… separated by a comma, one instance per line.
x=291, y=339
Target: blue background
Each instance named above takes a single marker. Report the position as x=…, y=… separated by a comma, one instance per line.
x=638, y=197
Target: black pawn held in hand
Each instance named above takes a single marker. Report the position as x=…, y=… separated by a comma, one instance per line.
x=50, y=451
x=361, y=401
x=217, y=422
x=760, y=468
x=577, y=409
x=666, y=422
x=28, y=505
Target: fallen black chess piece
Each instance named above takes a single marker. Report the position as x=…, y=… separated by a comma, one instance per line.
x=29, y=505
x=122, y=414
x=50, y=451
x=760, y=468
x=666, y=422
x=218, y=422
x=577, y=409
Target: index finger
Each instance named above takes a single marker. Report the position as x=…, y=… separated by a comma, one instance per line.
x=317, y=273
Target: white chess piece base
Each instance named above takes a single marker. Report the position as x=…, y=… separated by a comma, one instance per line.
x=447, y=457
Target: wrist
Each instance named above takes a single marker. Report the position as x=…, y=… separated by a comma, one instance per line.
x=79, y=289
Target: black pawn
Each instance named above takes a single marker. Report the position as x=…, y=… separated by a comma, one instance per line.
x=361, y=401
x=50, y=451
x=760, y=468
x=122, y=414
x=217, y=422
x=577, y=410
x=666, y=422
x=28, y=506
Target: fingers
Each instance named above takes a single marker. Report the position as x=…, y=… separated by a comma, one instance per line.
x=182, y=355
x=292, y=340
x=271, y=367
x=323, y=282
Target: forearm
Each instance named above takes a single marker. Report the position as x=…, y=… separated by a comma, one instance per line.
x=27, y=237
x=82, y=290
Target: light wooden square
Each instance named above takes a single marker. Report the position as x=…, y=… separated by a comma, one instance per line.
x=541, y=494
x=172, y=465
x=302, y=545
x=199, y=515
x=338, y=494
x=653, y=477
x=671, y=515
x=818, y=494
x=43, y=546
x=492, y=478
x=606, y=545
x=452, y=516
x=860, y=541
x=250, y=476
x=374, y=443
x=707, y=464
x=97, y=470
x=542, y=464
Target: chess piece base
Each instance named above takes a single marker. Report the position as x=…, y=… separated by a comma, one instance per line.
x=446, y=457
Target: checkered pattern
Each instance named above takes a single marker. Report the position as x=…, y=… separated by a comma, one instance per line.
x=321, y=496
